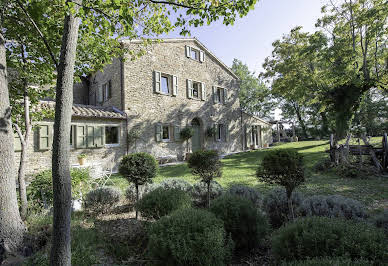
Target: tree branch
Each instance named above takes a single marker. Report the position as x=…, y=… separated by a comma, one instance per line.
x=40, y=33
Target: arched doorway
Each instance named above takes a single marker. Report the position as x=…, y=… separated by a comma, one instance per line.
x=196, y=139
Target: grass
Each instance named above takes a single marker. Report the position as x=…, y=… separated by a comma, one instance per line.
x=240, y=169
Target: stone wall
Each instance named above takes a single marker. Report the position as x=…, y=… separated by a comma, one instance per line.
x=41, y=160
x=146, y=108
x=264, y=132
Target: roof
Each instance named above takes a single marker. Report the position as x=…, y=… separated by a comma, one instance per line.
x=90, y=111
x=196, y=41
x=258, y=118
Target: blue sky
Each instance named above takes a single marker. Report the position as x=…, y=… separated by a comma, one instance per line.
x=250, y=38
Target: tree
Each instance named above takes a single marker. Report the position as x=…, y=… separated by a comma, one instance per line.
x=206, y=165
x=254, y=95
x=186, y=134
x=282, y=167
x=139, y=169
x=11, y=226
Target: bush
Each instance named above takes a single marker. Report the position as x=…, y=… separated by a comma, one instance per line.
x=189, y=237
x=40, y=190
x=199, y=192
x=322, y=237
x=102, y=198
x=176, y=183
x=248, y=193
x=381, y=221
x=332, y=206
x=322, y=165
x=130, y=192
x=275, y=206
x=161, y=202
x=328, y=261
x=241, y=219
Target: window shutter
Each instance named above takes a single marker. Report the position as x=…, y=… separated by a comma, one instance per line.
x=99, y=94
x=226, y=132
x=90, y=136
x=187, y=51
x=177, y=133
x=214, y=95
x=174, y=85
x=17, y=143
x=45, y=137
x=203, y=92
x=225, y=96
x=201, y=56
x=157, y=81
x=98, y=136
x=158, y=132
x=189, y=88
x=80, y=134
x=110, y=89
x=215, y=129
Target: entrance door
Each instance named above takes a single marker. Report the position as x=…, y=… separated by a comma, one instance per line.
x=196, y=139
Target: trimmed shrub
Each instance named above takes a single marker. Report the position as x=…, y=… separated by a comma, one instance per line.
x=241, y=219
x=130, y=192
x=248, y=193
x=323, y=237
x=381, y=221
x=189, y=237
x=199, y=192
x=102, y=198
x=322, y=165
x=161, y=202
x=176, y=183
x=332, y=206
x=328, y=261
x=275, y=205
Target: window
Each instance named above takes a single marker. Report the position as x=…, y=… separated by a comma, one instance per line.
x=194, y=54
x=219, y=95
x=72, y=133
x=165, y=85
x=111, y=135
x=166, y=133
x=196, y=89
x=220, y=132
x=107, y=89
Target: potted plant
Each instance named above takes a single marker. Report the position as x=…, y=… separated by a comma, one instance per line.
x=81, y=158
x=186, y=134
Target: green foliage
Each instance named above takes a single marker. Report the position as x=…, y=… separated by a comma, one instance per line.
x=381, y=221
x=82, y=156
x=322, y=165
x=322, y=237
x=133, y=136
x=186, y=133
x=102, y=199
x=282, y=167
x=176, y=183
x=241, y=219
x=248, y=193
x=275, y=205
x=328, y=261
x=40, y=190
x=205, y=164
x=189, y=237
x=138, y=168
x=161, y=202
x=333, y=206
x=199, y=192
x=211, y=132
x=130, y=192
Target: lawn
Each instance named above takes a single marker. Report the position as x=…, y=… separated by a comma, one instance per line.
x=240, y=169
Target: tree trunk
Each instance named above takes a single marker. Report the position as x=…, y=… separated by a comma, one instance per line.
x=290, y=207
x=208, y=194
x=11, y=226
x=137, y=198
x=61, y=246
x=300, y=120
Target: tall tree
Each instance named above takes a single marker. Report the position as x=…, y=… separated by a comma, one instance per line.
x=11, y=226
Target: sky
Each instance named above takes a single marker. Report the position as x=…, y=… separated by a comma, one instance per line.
x=250, y=38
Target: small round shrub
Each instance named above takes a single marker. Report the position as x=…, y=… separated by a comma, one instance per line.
x=323, y=237
x=189, y=237
x=102, y=198
x=248, y=193
x=275, y=205
x=161, y=202
x=130, y=192
x=328, y=261
x=176, y=183
x=332, y=206
x=199, y=192
x=381, y=221
x=322, y=165
x=241, y=219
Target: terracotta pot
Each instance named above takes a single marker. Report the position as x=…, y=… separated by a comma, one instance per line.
x=81, y=161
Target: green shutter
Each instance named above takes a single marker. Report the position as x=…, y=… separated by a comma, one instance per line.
x=174, y=85
x=158, y=132
x=99, y=136
x=157, y=81
x=189, y=88
x=203, y=92
x=201, y=56
x=45, y=137
x=215, y=129
x=214, y=94
x=90, y=137
x=187, y=48
x=177, y=133
x=17, y=143
x=225, y=96
x=80, y=136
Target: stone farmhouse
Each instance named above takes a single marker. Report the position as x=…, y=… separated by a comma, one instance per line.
x=178, y=83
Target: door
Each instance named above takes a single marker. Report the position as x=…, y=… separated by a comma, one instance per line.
x=196, y=139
